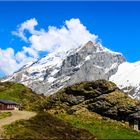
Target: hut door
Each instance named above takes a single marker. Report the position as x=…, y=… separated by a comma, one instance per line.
x=138, y=124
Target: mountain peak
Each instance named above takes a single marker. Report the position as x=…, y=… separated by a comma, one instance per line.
x=90, y=48
x=89, y=44
x=56, y=70
x=89, y=62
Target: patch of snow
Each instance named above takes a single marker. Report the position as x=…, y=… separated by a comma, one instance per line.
x=112, y=52
x=112, y=67
x=54, y=72
x=87, y=58
x=51, y=79
x=128, y=74
x=78, y=66
x=65, y=79
x=7, y=79
x=29, y=64
x=24, y=77
x=41, y=79
x=26, y=83
x=99, y=67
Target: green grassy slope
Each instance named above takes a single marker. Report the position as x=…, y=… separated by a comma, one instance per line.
x=96, y=106
x=42, y=126
x=91, y=125
x=45, y=126
x=75, y=106
x=21, y=94
x=102, y=128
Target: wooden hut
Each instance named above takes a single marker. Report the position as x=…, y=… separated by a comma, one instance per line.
x=8, y=105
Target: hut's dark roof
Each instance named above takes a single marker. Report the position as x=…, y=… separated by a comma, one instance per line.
x=8, y=102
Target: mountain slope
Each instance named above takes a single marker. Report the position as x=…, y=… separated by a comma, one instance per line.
x=85, y=63
x=59, y=69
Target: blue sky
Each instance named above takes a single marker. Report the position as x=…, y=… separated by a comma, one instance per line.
x=116, y=23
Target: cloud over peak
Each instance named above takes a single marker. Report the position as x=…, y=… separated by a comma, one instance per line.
x=28, y=25
x=71, y=35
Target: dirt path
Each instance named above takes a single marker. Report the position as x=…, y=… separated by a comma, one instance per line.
x=16, y=115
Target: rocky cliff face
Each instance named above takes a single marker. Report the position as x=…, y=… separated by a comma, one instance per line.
x=59, y=69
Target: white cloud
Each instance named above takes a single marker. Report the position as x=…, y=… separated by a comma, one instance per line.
x=8, y=62
x=31, y=52
x=28, y=25
x=71, y=35
x=20, y=56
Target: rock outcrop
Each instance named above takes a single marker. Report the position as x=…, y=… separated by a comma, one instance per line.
x=101, y=96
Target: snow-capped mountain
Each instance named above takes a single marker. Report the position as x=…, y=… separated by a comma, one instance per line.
x=127, y=78
x=59, y=69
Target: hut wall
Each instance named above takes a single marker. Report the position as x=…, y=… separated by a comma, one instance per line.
x=7, y=107
x=3, y=107
x=136, y=125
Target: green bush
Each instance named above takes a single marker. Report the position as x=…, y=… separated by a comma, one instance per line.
x=5, y=114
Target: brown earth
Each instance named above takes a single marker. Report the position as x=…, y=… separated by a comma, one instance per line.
x=16, y=115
